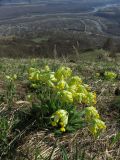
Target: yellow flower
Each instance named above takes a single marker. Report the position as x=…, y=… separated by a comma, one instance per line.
x=66, y=96
x=87, y=87
x=63, y=71
x=59, y=113
x=60, y=117
x=62, y=124
x=73, y=89
x=91, y=113
x=62, y=129
x=54, y=124
x=52, y=77
x=34, y=76
x=101, y=125
x=91, y=98
x=62, y=84
x=96, y=126
x=79, y=97
x=82, y=89
x=55, y=118
x=75, y=80
x=93, y=129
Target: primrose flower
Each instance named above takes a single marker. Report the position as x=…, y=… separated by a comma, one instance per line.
x=90, y=98
x=73, y=89
x=54, y=124
x=60, y=119
x=66, y=96
x=45, y=76
x=62, y=84
x=62, y=129
x=78, y=97
x=82, y=89
x=75, y=80
x=91, y=113
x=63, y=72
x=96, y=126
x=34, y=75
x=88, y=88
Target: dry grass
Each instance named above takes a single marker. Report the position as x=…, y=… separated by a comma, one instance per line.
x=31, y=141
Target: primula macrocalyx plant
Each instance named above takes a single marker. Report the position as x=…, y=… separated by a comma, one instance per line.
x=61, y=93
x=11, y=78
x=110, y=75
x=92, y=118
x=96, y=126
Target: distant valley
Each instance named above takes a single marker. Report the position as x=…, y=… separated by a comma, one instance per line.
x=61, y=24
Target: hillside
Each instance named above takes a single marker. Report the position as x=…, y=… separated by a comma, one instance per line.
x=22, y=137
x=59, y=80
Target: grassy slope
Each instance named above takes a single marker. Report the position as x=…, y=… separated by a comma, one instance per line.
x=33, y=142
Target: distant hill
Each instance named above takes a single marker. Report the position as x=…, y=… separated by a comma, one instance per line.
x=54, y=1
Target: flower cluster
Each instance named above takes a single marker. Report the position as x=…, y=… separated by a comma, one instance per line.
x=60, y=118
x=110, y=75
x=70, y=91
x=92, y=118
x=69, y=88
